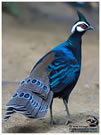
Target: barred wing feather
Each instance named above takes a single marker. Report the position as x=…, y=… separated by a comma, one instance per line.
x=63, y=71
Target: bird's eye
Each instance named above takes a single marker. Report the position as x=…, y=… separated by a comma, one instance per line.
x=84, y=26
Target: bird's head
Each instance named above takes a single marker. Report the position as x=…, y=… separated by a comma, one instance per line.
x=81, y=25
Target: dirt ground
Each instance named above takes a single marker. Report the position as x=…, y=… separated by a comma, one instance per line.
x=22, y=46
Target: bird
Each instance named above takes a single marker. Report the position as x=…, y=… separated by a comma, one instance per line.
x=53, y=76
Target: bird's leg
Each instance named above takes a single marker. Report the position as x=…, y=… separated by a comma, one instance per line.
x=51, y=114
x=69, y=119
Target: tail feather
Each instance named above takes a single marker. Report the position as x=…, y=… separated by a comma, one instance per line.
x=29, y=104
x=33, y=95
x=9, y=112
x=44, y=107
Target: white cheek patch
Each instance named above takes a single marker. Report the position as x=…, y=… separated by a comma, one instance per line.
x=79, y=29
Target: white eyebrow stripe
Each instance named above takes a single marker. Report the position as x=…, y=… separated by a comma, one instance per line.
x=78, y=23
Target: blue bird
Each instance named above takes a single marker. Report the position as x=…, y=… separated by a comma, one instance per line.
x=54, y=75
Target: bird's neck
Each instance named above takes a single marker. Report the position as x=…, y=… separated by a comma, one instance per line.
x=76, y=41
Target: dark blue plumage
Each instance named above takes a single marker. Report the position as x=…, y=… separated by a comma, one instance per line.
x=54, y=75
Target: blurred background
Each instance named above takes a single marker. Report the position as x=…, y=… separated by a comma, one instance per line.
x=31, y=29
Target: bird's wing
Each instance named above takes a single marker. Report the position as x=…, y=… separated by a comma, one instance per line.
x=63, y=70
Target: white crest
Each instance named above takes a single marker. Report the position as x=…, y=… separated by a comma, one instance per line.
x=79, y=29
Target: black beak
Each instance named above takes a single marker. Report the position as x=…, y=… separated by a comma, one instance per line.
x=90, y=28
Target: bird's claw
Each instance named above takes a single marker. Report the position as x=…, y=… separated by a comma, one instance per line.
x=68, y=121
x=52, y=122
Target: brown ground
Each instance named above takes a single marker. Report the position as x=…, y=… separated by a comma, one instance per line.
x=22, y=47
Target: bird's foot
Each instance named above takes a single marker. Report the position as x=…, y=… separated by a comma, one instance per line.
x=69, y=121
x=52, y=122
